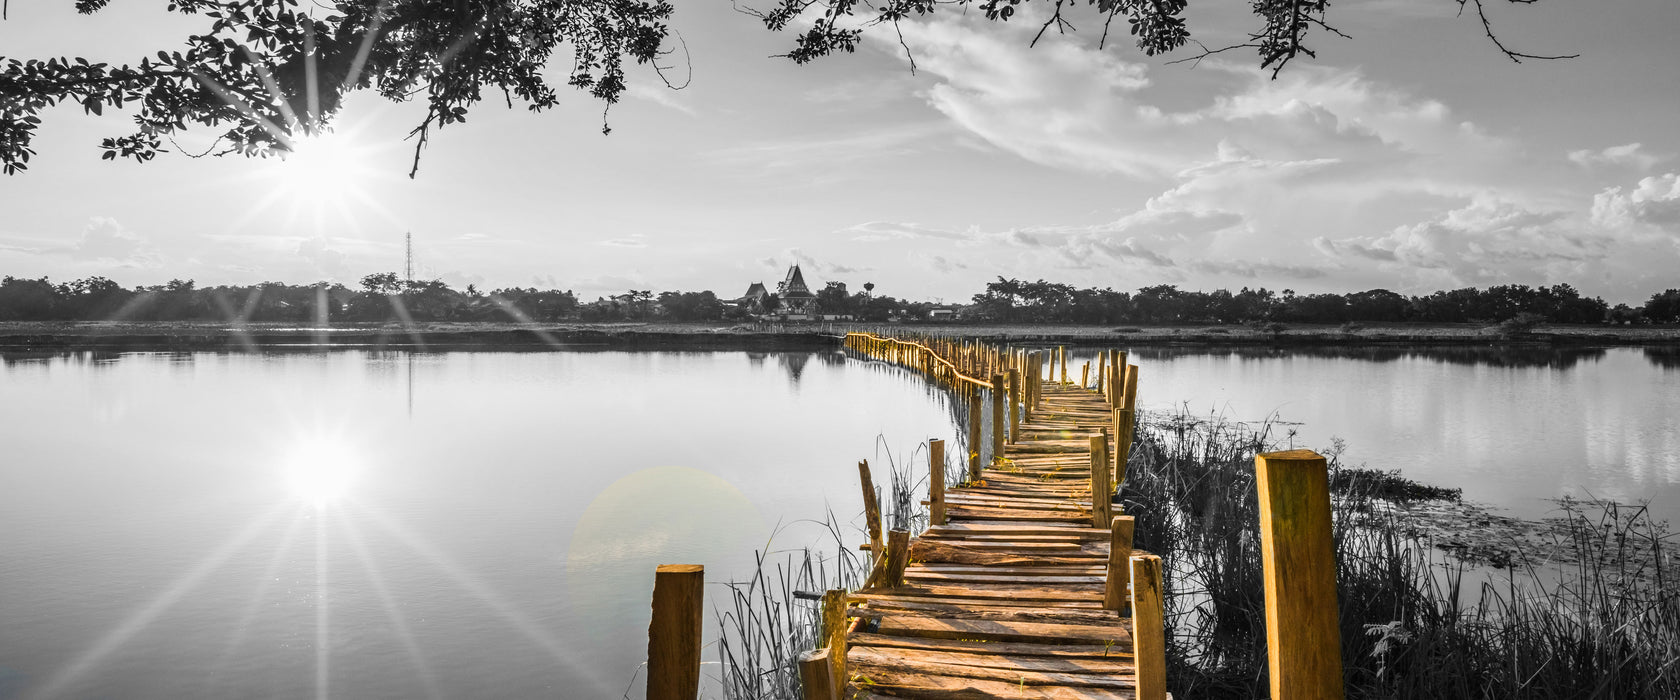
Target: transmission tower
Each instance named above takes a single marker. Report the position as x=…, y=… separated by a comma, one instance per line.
x=408, y=269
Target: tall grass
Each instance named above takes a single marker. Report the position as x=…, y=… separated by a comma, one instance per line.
x=768, y=620
x=1414, y=624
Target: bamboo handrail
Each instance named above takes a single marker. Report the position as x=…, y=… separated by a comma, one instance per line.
x=931, y=352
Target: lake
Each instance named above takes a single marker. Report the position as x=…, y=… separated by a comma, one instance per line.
x=485, y=524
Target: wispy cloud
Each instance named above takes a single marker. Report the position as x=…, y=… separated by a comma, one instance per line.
x=1630, y=155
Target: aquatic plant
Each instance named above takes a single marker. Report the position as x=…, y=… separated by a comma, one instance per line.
x=1415, y=622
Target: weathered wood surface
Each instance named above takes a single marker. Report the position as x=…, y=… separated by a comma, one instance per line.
x=1011, y=597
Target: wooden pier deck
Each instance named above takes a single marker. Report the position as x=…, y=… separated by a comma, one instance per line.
x=1010, y=592
x=1024, y=585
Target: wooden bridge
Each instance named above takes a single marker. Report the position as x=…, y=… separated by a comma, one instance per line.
x=1022, y=585
x=1025, y=583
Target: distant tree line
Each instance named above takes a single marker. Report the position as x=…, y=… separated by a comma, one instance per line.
x=387, y=297
x=1016, y=301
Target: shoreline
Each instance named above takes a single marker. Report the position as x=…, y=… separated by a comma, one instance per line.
x=175, y=336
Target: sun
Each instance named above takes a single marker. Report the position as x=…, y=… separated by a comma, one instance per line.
x=320, y=471
x=323, y=167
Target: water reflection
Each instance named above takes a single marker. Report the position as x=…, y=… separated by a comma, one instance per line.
x=497, y=541
x=1666, y=357
x=1472, y=355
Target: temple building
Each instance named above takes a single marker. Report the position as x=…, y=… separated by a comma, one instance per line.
x=797, y=301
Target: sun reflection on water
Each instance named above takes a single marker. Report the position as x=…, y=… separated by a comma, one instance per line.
x=321, y=471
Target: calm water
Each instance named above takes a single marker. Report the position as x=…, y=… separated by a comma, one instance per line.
x=499, y=521
x=1515, y=428
x=387, y=525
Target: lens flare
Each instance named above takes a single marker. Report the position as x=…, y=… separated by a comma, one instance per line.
x=320, y=472
x=326, y=167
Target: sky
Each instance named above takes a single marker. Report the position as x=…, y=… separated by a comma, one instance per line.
x=1412, y=156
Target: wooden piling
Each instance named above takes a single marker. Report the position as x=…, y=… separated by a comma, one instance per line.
x=1299, y=567
x=674, y=632
x=974, y=437
x=834, y=634
x=1102, y=507
x=1125, y=429
x=1014, y=404
x=1148, y=632
x=1117, y=590
x=1102, y=366
x=1085, y=376
x=936, y=482
x=997, y=416
x=1061, y=356
x=817, y=676
x=871, y=509
x=898, y=557
x=1131, y=389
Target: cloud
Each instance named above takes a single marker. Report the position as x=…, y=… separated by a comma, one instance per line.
x=1653, y=204
x=872, y=231
x=942, y=264
x=660, y=95
x=1256, y=269
x=1630, y=155
x=1489, y=240
x=1073, y=106
x=634, y=240
x=326, y=260
x=106, y=240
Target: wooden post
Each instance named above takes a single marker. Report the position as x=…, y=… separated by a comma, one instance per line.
x=674, y=632
x=871, y=509
x=1118, y=590
x=1029, y=364
x=936, y=482
x=1299, y=567
x=815, y=674
x=898, y=557
x=1102, y=508
x=1131, y=389
x=834, y=634
x=997, y=416
x=1014, y=404
x=1061, y=355
x=974, y=437
x=1125, y=426
x=1149, y=643
x=1085, y=376
x=1102, y=366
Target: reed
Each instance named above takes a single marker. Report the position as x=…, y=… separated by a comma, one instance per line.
x=769, y=619
x=1414, y=622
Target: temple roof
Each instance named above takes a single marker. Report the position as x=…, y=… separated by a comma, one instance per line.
x=794, y=285
x=756, y=291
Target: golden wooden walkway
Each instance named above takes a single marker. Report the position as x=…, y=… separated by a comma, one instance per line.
x=1013, y=591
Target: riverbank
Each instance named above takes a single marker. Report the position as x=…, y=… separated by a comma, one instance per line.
x=181, y=336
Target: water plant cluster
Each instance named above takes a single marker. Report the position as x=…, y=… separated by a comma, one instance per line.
x=1415, y=622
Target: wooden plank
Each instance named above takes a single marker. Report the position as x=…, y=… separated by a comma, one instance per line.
x=992, y=578
x=1027, y=570
x=1000, y=591
x=870, y=661
x=1065, y=651
x=875, y=608
x=902, y=595
x=930, y=550
x=982, y=513
x=909, y=625
x=929, y=687
x=982, y=528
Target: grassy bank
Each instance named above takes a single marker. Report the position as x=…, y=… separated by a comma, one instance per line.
x=1606, y=624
